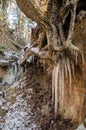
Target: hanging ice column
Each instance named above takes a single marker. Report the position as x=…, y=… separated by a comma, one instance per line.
x=61, y=72
x=55, y=87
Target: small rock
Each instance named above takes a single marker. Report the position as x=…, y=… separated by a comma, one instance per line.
x=4, y=108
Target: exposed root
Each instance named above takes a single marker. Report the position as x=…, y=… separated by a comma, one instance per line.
x=72, y=23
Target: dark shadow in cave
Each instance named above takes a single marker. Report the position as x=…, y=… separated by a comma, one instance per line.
x=81, y=6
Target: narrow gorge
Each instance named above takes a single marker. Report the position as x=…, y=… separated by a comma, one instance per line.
x=43, y=65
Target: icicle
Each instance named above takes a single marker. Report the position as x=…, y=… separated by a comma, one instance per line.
x=56, y=87
x=66, y=70
x=76, y=55
x=33, y=59
x=69, y=71
x=83, y=60
x=60, y=84
x=53, y=84
x=72, y=69
x=44, y=68
x=62, y=75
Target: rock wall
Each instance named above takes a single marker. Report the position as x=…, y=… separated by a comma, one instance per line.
x=75, y=104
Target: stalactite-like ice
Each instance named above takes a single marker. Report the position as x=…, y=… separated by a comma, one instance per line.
x=83, y=60
x=53, y=84
x=60, y=84
x=33, y=59
x=76, y=56
x=62, y=80
x=72, y=69
x=69, y=72
x=66, y=70
x=56, y=87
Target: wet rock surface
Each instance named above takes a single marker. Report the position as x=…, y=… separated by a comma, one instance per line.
x=4, y=63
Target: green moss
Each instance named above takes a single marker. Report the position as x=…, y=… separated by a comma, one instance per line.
x=10, y=92
x=2, y=47
x=12, y=99
x=2, y=16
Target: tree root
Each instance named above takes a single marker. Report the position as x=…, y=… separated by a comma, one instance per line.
x=53, y=49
